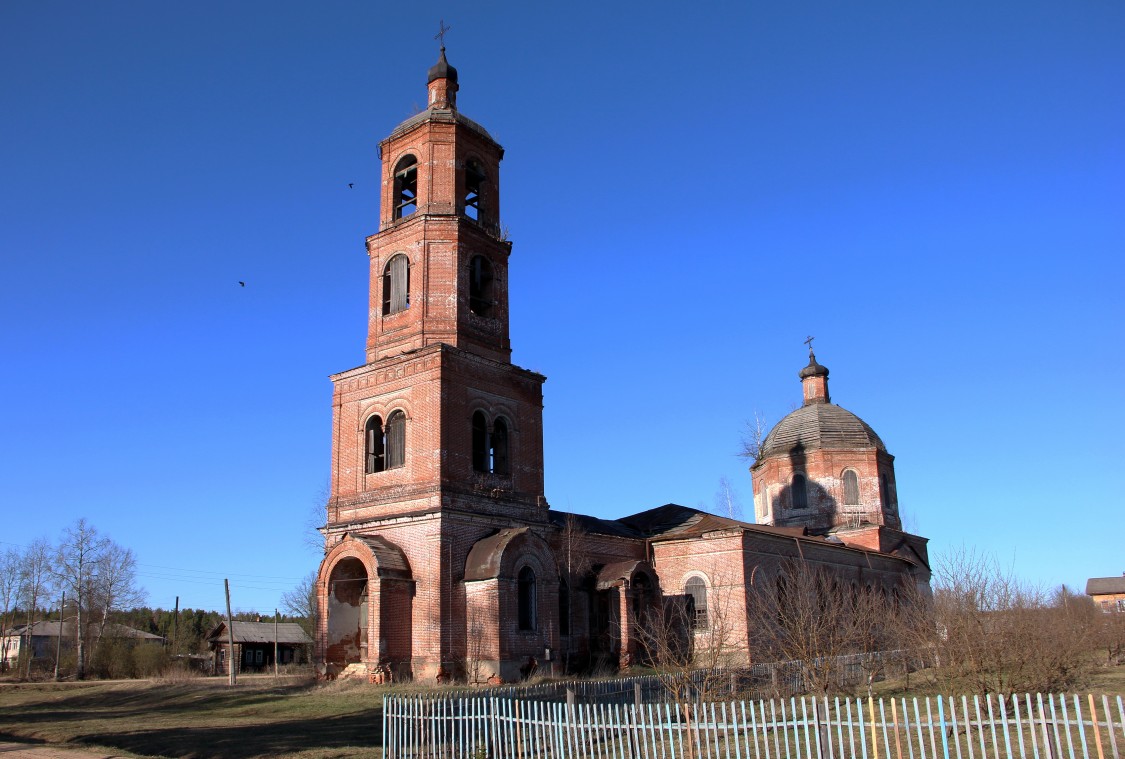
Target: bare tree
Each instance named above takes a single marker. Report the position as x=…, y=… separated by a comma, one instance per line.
x=35, y=566
x=114, y=582
x=76, y=559
x=727, y=502
x=300, y=602
x=316, y=517
x=572, y=547
x=812, y=616
x=754, y=437
x=11, y=588
x=693, y=644
x=997, y=633
x=475, y=647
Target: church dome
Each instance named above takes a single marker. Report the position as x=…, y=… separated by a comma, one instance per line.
x=442, y=70
x=817, y=426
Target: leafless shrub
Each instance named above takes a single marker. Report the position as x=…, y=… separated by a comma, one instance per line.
x=812, y=616
x=996, y=633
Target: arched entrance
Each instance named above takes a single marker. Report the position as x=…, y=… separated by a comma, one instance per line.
x=347, y=613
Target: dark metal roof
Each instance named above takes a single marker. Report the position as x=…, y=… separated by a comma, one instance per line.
x=613, y=573
x=392, y=561
x=486, y=554
x=820, y=425
x=592, y=525
x=443, y=115
x=1097, y=586
x=48, y=629
x=260, y=632
x=674, y=521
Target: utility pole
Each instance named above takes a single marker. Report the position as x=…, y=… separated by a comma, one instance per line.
x=58, y=643
x=176, y=624
x=276, y=617
x=230, y=634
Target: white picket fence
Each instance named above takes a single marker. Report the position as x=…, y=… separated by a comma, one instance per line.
x=1051, y=726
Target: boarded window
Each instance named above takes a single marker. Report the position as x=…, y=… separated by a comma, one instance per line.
x=480, y=286
x=851, y=488
x=480, y=442
x=526, y=598
x=696, y=591
x=396, y=285
x=396, y=440
x=799, y=492
x=498, y=447
x=374, y=446
x=406, y=186
x=474, y=187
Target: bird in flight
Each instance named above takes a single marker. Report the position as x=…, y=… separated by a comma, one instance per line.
x=351, y=185
x=242, y=283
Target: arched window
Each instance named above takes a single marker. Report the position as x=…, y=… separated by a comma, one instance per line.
x=564, y=607
x=525, y=594
x=480, y=442
x=396, y=285
x=799, y=492
x=490, y=446
x=851, y=488
x=474, y=186
x=374, y=446
x=396, y=440
x=480, y=286
x=498, y=447
x=696, y=591
x=406, y=186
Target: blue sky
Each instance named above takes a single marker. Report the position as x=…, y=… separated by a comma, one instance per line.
x=935, y=191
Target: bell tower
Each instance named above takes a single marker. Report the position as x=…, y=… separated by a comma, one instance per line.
x=439, y=264
x=438, y=418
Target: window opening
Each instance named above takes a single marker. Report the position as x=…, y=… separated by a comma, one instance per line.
x=406, y=187
x=696, y=591
x=396, y=440
x=480, y=443
x=851, y=488
x=374, y=446
x=396, y=285
x=526, y=598
x=474, y=184
x=799, y=492
x=480, y=286
x=498, y=448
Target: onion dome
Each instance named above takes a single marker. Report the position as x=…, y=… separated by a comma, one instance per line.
x=442, y=70
x=813, y=369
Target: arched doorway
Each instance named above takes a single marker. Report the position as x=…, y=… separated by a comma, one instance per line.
x=347, y=613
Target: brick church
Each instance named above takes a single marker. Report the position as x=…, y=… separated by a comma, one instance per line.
x=442, y=556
